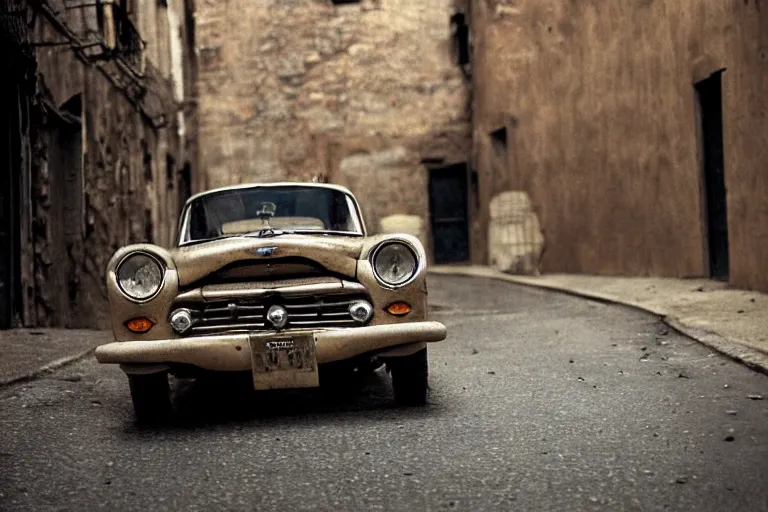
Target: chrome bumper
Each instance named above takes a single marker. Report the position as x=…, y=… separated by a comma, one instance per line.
x=232, y=352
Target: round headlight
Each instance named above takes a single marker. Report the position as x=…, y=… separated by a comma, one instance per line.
x=139, y=276
x=394, y=263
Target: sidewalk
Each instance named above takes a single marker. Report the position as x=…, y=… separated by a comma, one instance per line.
x=27, y=353
x=733, y=322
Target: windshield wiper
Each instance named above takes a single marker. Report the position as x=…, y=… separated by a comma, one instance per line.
x=268, y=233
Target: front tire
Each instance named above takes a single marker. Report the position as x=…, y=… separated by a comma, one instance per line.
x=410, y=378
x=151, y=396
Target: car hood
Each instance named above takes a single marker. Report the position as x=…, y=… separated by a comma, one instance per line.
x=338, y=254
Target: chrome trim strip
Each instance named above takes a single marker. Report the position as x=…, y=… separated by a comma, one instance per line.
x=226, y=327
x=226, y=293
x=324, y=322
x=212, y=293
x=317, y=315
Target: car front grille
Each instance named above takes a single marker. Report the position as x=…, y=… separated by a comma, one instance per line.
x=242, y=314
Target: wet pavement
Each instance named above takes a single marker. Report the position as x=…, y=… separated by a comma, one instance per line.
x=539, y=401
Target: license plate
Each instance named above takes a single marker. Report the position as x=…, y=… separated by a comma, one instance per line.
x=284, y=362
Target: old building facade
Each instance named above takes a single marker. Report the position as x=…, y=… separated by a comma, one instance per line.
x=636, y=129
x=609, y=137
x=370, y=94
x=101, y=147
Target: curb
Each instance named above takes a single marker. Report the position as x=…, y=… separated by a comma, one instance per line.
x=732, y=349
x=48, y=368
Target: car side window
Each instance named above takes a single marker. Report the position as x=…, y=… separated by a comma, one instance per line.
x=198, y=226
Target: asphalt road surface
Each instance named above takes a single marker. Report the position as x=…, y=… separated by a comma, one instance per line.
x=539, y=401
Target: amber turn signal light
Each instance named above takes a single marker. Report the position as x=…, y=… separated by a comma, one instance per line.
x=139, y=325
x=399, y=308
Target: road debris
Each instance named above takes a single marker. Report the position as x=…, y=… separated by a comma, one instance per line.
x=755, y=397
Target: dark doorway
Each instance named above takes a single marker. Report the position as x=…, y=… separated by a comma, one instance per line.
x=710, y=96
x=448, y=197
x=65, y=219
x=11, y=131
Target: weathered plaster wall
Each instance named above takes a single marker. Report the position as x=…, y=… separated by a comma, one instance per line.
x=599, y=106
x=746, y=139
x=355, y=94
x=110, y=180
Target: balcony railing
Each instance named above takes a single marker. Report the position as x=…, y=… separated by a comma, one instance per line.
x=121, y=39
x=100, y=30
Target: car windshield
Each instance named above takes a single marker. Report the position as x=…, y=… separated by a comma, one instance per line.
x=268, y=211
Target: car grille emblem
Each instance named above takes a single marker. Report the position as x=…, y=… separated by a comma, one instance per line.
x=266, y=251
x=277, y=316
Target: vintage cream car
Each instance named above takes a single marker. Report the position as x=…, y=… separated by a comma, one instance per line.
x=275, y=280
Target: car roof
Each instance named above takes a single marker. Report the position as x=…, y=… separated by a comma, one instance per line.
x=268, y=185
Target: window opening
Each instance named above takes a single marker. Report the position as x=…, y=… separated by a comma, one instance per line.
x=461, y=41
x=170, y=172
x=499, y=141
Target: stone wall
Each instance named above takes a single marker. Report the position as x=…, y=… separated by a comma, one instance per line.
x=357, y=94
x=590, y=108
x=105, y=169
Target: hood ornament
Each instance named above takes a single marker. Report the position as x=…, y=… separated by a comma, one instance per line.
x=266, y=251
